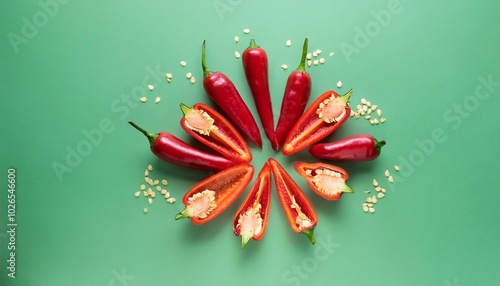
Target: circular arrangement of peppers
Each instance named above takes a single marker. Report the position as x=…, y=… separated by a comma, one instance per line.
x=298, y=128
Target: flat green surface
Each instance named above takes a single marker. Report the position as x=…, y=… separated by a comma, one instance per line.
x=70, y=78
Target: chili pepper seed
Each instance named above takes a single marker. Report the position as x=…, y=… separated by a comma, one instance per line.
x=143, y=99
x=151, y=87
x=382, y=120
x=365, y=208
x=386, y=173
x=192, y=80
x=163, y=191
x=396, y=168
x=309, y=56
x=236, y=39
x=246, y=31
x=391, y=179
x=339, y=84
x=189, y=75
x=145, y=193
x=380, y=195
x=171, y=200
x=375, y=183
x=315, y=62
x=164, y=182
x=237, y=54
x=322, y=60
x=331, y=54
x=157, y=99
x=309, y=63
x=137, y=194
x=371, y=210
x=150, y=167
x=145, y=210
x=142, y=187
x=288, y=43
x=158, y=188
x=150, y=200
x=284, y=66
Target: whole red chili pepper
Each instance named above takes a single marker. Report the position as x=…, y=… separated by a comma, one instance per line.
x=299, y=211
x=224, y=94
x=361, y=147
x=212, y=129
x=326, y=180
x=255, y=62
x=295, y=98
x=210, y=197
x=250, y=221
x=327, y=113
x=173, y=150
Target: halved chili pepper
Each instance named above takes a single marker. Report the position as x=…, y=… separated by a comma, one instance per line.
x=224, y=94
x=327, y=113
x=361, y=147
x=210, y=197
x=173, y=150
x=299, y=211
x=250, y=221
x=326, y=180
x=255, y=62
x=212, y=129
x=295, y=98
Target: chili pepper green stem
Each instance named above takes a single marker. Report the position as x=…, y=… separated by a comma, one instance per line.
x=253, y=44
x=185, y=109
x=379, y=144
x=345, y=98
x=310, y=235
x=206, y=71
x=302, y=65
x=182, y=214
x=151, y=136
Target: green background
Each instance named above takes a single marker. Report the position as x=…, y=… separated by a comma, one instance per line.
x=72, y=68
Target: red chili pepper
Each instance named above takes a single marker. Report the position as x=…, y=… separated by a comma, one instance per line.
x=295, y=98
x=299, y=211
x=173, y=150
x=224, y=94
x=212, y=129
x=362, y=147
x=326, y=180
x=250, y=221
x=210, y=197
x=255, y=62
x=327, y=113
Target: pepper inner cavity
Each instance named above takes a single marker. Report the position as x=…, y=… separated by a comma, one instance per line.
x=326, y=180
x=201, y=204
x=332, y=109
x=250, y=222
x=200, y=121
x=301, y=220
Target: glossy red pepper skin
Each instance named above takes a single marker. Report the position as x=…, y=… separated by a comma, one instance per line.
x=224, y=139
x=255, y=207
x=361, y=147
x=312, y=126
x=294, y=202
x=226, y=186
x=295, y=98
x=324, y=183
x=255, y=65
x=225, y=95
x=173, y=150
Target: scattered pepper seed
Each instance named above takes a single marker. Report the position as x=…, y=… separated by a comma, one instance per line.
x=137, y=194
x=192, y=80
x=246, y=31
x=158, y=188
x=374, y=199
x=369, y=199
x=391, y=179
x=365, y=208
x=331, y=54
x=157, y=99
x=145, y=193
x=382, y=120
x=379, y=112
x=309, y=63
x=309, y=56
x=171, y=200
x=396, y=167
x=237, y=54
x=151, y=87
x=284, y=66
x=378, y=189
x=288, y=43
x=322, y=60
x=150, y=167
x=143, y=99
x=380, y=195
x=163, y=191
x=183, y=63
x=375, y=183
x=371, y=210
x=315, y=62
x=236, y=39
x=150, y=200
x=386, y=173
x=164, y=182
x=146, y=173
x=314, y=54
x=189, y=75
x=339, y=84
x=156, y=182
x=363, y=100
x=142, y=187
x=145, y=210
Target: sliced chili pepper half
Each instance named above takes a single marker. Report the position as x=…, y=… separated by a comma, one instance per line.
x=250, y=221
x=212, y=129
x=326, y=180
x=298, y=210
x=210, y=197
x=327, y=113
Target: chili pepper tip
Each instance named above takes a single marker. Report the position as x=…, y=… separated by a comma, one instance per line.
x=310, y=235
x=182, y=214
